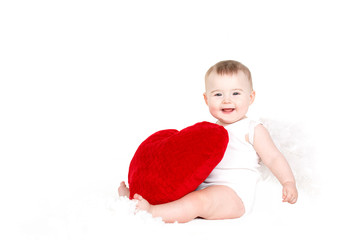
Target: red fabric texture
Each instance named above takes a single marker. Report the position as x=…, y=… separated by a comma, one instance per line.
x=170, y=163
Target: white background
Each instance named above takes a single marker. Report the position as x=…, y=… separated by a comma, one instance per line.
x=82, y=83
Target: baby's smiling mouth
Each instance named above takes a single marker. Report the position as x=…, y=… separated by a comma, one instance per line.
x=227, y=110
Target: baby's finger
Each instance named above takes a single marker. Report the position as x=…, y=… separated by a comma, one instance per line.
x=288, y=198
x=284, y=194
x=285, y=198
x=293, y=200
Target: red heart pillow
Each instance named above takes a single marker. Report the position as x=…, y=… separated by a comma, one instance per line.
x=170, y=163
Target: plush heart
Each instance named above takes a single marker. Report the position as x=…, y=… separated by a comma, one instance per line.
x=170, y=163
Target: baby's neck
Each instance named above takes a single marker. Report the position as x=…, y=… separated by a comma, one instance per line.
x=227, y=124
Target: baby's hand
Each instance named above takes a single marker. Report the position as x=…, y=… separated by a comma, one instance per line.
x=290, y=193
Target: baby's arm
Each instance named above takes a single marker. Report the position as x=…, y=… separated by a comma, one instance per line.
x=276, y=162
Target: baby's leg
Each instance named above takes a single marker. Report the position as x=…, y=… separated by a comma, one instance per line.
x=123, y=190
x=215, y=202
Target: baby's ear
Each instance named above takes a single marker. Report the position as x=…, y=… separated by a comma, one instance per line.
x=252, y=97
x=205, y=98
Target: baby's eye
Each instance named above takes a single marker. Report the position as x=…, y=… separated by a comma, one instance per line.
x=217, y=94
x=236, y=93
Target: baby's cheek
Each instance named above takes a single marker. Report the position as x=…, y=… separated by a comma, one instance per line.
x=213, y=109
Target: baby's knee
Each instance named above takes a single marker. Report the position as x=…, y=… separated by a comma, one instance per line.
x=220, y=202
x=203, y=200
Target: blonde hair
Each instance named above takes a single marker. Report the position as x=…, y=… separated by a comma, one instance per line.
x=229, y=67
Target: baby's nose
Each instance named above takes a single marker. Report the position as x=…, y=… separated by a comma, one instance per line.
x=226, y=99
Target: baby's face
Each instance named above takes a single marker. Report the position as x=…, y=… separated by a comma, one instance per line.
x=228, y=97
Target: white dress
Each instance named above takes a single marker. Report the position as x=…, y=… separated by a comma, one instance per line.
x=239, y=167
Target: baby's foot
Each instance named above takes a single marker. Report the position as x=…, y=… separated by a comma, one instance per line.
x=142, y=203
x=123, y=190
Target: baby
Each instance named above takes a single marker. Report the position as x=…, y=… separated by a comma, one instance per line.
x=228, y=192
